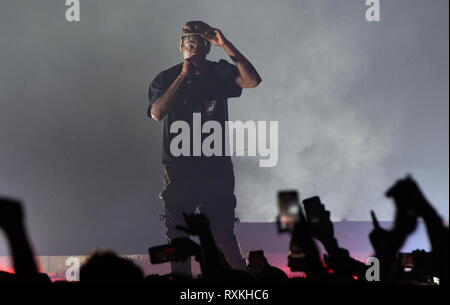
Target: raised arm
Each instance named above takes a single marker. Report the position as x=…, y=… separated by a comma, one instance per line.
x=248, y=76
x=166, y=101
x=12, y=223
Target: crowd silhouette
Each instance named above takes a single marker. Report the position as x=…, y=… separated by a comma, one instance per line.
x=336, y=266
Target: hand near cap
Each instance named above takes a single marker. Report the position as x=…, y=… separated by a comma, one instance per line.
x=218, y=40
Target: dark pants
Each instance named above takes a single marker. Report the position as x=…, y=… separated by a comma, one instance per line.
x=212, y=192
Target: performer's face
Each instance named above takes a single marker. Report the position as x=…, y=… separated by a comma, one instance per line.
x=194, y=45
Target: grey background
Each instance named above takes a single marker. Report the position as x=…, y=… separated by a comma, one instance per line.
x=359, y=105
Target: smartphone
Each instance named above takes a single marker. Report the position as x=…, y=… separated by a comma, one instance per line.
x=164, y=253
x=289, y=208
x=313, y=209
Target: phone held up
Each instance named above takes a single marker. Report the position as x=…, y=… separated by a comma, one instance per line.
x=291, y=211
x=288, y=207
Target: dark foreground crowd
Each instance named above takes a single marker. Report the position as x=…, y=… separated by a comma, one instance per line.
x=335, y=267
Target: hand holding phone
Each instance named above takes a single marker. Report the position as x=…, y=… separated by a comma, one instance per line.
x=178, y=250
x=314, y=209
x=319, y=220
x=289, y=209
x=407, y=195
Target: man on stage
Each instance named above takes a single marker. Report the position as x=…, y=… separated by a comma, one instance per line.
x=202, y=87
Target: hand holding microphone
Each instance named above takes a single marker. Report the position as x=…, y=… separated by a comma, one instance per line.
x=190, y=65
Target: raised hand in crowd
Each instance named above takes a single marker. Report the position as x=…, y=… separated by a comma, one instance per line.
x=409, y=197
x=303, y=253
x=12, y=223
x=337, y=258
x=214, y=261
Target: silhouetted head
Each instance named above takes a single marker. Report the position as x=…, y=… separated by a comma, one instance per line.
x=107, y=266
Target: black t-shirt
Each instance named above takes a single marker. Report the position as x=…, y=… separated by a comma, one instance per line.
x=205, y=94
